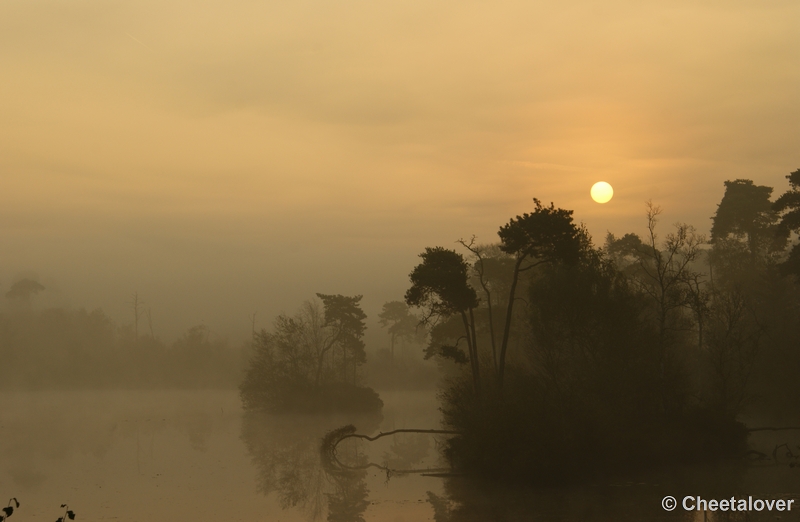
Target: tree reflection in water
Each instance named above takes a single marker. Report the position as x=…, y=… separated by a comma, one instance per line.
x=349, y=499
x=285, y=450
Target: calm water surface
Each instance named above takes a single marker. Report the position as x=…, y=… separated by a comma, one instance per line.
x=184, y=455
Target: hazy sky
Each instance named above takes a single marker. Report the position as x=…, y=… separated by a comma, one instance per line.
x=226, y=157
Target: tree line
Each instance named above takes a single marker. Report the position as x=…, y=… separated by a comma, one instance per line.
x=567, y=358
x=80, y=349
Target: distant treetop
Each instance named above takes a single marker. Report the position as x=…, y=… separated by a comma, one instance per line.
x=24, y=289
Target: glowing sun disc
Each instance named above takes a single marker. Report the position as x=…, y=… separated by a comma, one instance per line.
x=602, y=192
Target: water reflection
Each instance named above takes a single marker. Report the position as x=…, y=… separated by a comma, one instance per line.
x=285, y=450
x=407, y=450
x=105, y=452
x=311, y=464
x=348, y=500
x=473, y=501
x=286, y=453
x=39, y=429
x=771, y=473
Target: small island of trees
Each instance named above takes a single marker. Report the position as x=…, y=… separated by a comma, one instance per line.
x=309, y=362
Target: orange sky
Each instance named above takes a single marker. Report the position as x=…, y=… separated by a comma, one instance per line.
x=227, y=157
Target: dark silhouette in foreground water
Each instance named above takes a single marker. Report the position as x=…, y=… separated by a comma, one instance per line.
x=9, y=509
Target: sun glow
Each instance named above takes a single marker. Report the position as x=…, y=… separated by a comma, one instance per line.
x=602, y=192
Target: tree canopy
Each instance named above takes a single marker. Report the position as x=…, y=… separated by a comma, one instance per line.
x=23, y=289
x=746, y=211
x=788, y=207
x=400, y=323
x=309, y=361
x=546, y=234
x=440, y=284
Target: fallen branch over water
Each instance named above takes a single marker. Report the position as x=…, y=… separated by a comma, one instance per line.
x=332, y=439
x=403, y=430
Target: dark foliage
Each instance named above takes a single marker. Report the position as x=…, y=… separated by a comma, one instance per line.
x=588, y=397
x=788, y=206
x=68, y=514
x=746, y=211
x=9, y=509
x=440, y=288
x=308, y=363
x=336, y=397
x=647, y=353
x=23, y=289
x=547, y=233
x=439, y=284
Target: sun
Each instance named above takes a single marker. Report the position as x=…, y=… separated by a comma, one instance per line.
x=602, y=192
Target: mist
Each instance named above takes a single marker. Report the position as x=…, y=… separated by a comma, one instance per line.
x=221, y=161
x=181, y=182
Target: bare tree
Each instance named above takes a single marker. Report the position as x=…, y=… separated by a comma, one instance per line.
x=150, y=323
x=699, y=300
x=665, y=273
x=480, y=268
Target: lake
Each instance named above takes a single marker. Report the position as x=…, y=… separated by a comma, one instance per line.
x=183, y=455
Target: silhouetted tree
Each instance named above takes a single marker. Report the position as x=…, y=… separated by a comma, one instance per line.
x=288, y=360
x=607, y=364
x=492, y=269
x=400, y=322
x=752, y=334
x=344, y=315
x=625, y=252
x=546, y=235
x=292, y=367
x=591, y=343
x=439, y=286
x=788, y=206
x=665, y=271
x=22, y=290
x=746, y=212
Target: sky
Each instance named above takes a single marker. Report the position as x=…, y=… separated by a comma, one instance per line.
x=229, y=158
